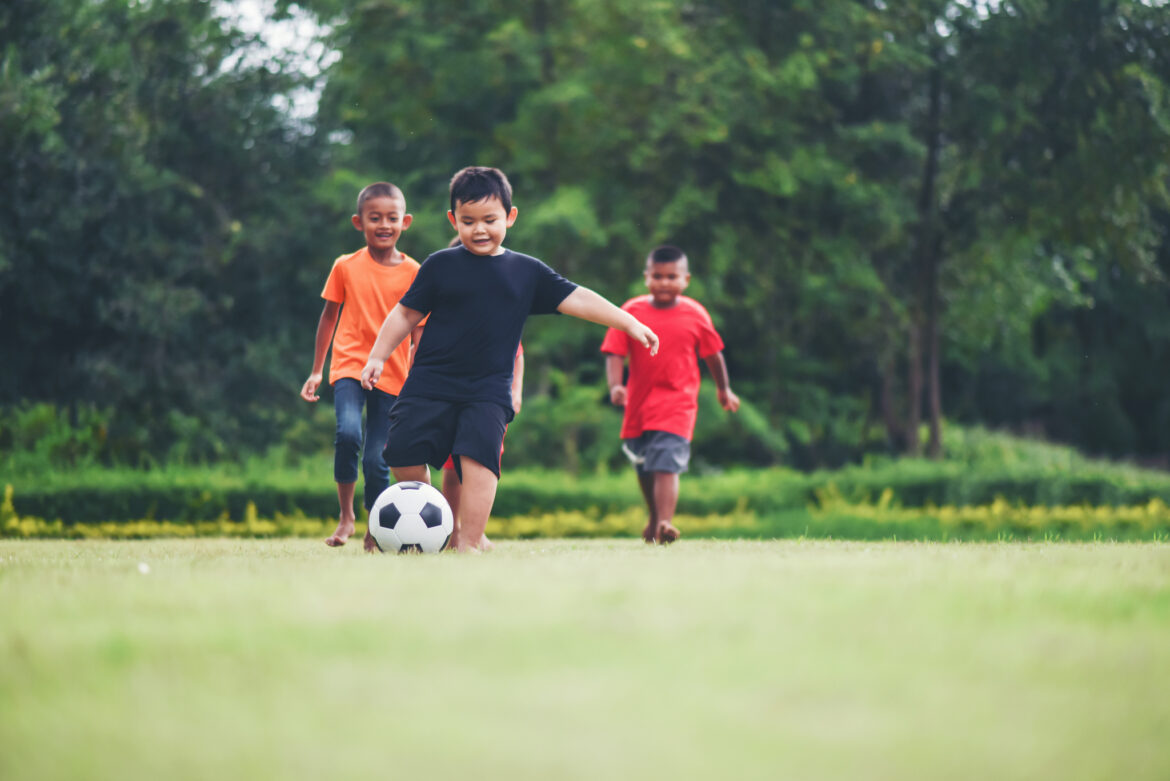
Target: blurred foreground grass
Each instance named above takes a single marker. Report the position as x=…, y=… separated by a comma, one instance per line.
x=245, y=659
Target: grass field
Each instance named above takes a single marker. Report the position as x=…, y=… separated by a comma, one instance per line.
x=251, y=659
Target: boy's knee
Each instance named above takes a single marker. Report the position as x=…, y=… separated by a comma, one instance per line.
x=349, y=438
x=373, y=463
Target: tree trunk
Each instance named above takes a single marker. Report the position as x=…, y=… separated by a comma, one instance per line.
x=934, y=391
x=887, y=391
x=924, y=327
x=914, y=388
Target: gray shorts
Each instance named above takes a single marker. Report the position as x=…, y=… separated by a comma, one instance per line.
x=658, y=451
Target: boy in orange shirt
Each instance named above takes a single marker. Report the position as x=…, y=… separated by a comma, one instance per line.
x=361, y=289
x=662, y=399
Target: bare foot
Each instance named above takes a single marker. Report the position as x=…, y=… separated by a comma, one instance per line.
x=485, y=544
x=368, y=544
x=667, y=533
x=342, y=533
x=650, y=533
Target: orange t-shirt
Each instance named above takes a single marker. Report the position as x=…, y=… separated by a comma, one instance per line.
x=367, y=291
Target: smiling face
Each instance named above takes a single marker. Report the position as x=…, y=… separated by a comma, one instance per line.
x=382, y=221
x=667, y=281
x=482, y=224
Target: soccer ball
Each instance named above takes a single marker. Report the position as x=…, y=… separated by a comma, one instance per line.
x=411, y=516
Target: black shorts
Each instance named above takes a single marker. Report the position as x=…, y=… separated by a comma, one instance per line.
x=426, y=431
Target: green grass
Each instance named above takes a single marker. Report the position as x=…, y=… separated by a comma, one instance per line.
x=251, y=659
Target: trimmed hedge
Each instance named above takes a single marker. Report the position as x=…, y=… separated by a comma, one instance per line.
x=917, y=484
x=192, y=496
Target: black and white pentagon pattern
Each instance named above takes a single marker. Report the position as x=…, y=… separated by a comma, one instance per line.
x=411, y=516
x=388, y=516
x=432, y=515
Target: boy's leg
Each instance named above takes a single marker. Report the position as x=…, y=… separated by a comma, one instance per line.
x=660, y=457
x=451, y=492
x=348, y=399
x=479, y=434
x=346, y=519
x=374, y=469
x=665, y=500
x=475, y=505
x=646, y=483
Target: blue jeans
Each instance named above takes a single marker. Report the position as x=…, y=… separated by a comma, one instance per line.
x=348, y=398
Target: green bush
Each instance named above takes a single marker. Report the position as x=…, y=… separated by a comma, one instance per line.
x=203, y=495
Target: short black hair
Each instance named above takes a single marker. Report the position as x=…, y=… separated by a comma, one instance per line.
x=379, y=190
x=665, y=253
x=477, y=183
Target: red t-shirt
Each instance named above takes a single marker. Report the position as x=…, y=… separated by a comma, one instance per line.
x=663, y=390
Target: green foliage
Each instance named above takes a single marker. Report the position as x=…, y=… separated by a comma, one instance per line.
x=147, y=183
x=984, y=470
x=835, y=171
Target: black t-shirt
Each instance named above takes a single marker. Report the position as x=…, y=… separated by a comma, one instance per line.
x=477, y=306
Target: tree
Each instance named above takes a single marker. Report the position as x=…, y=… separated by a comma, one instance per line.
x=149, y=178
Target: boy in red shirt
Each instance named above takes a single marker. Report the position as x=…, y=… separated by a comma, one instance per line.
x=362, y=287
x=662, y=398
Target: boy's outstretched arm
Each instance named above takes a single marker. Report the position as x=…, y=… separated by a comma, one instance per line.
x=325, y=328
x=396, y=327
x=727, y=398
x=587, y=305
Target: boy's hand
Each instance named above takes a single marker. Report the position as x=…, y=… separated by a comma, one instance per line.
x=516, y=401
x=644, y=336
x=309, y=389
x=371, y=374
x=728, y=400
x=618, y=395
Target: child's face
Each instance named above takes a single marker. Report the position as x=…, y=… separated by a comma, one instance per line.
x=667, y=281
x=482, y=225
x=382, y=221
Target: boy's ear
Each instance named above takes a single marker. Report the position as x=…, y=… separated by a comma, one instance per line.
x=357, y=221
x=406, y=220
x=512, y=217
x=451, y=219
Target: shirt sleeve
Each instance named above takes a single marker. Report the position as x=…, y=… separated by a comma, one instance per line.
x=709, y=340
x=335, y=285
x=420, y=296
x=615, y=342
x=550, y=290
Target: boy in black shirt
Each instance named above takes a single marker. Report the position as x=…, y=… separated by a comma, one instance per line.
x=457, y=398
